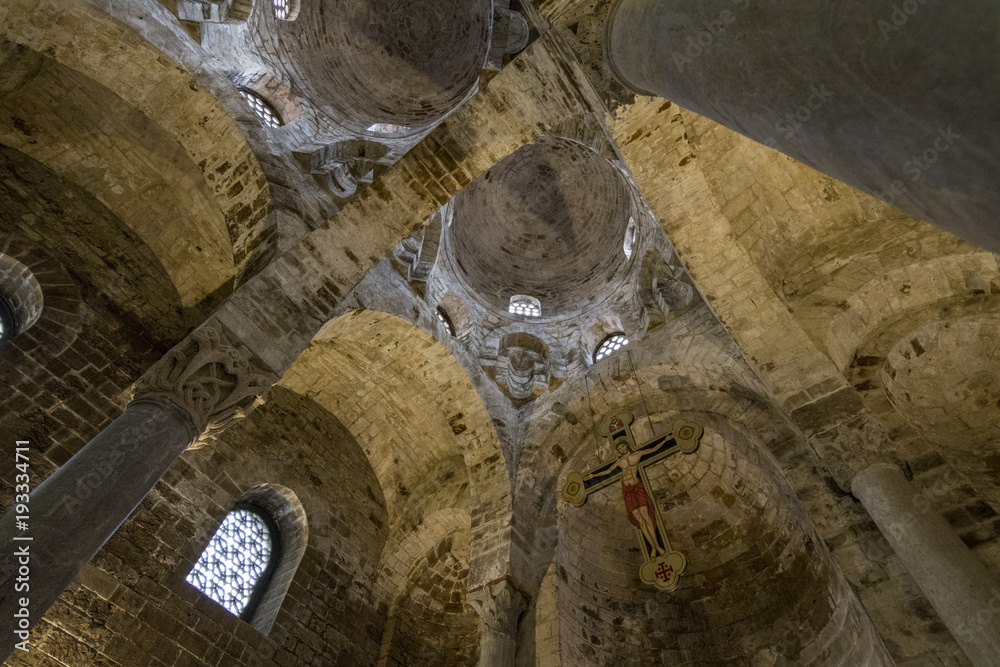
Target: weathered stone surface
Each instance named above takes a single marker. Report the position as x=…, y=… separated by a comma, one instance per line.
x=361, y=255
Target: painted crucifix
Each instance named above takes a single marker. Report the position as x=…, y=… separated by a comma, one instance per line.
x=663, y=566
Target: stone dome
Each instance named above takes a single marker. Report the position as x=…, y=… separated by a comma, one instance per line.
x=548, y=221
x=384, y=61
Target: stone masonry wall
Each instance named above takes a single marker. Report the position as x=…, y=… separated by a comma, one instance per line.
x=132, y=607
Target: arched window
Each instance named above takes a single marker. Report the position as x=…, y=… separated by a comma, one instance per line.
x=235, y=567
x=445, y=320
x=261, y=107
x=631, y=236
x=388, y=128
x=286, y=10
x=252, y=558
x=525, y=305
x=610, y=345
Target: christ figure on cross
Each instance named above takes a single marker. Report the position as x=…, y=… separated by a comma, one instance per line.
x=663, y=566
x=638, y=506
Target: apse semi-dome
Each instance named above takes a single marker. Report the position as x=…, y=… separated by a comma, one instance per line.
x=379, y=62
x=548, y=221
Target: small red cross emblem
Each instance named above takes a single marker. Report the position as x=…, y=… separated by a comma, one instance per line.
x=616, y=423
x=665, y=572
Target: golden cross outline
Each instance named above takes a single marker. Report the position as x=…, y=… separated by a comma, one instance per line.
x=662, y=566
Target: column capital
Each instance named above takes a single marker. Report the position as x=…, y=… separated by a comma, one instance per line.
x=499, y=605
x=214, y=382
x=854, y=446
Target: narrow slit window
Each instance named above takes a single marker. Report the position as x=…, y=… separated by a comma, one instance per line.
x=525, y=305
x=234, y=567
x=610, y=345
x=6, y=321
x=260, y=106
x=631, y=236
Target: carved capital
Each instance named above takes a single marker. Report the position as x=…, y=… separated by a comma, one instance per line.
x=675, y=294
x=854, y=446
x=211, y=380
x=499, y=606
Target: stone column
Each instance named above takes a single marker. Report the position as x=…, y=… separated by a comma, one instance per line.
x=895, y=97
x=202, y=385
x=964, y=593
x=499, y=605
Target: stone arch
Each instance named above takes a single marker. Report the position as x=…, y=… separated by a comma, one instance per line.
x=133, y=168
x=429, y=620
x=932, y=376
x=104, y=55
x=403, y=395
x=709, y=396
x=436, y=508
x=108, y=260
x=337, y=497
x=400, y=555
x=908, y=289
x=715, y=508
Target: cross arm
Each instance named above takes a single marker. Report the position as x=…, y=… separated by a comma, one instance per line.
x=657, y=449
x=579, y=486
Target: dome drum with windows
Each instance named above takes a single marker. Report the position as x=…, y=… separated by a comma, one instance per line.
x=547, y=223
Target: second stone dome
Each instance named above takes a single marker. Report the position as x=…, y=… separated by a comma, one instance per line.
x=406, y=62
x=547, y=221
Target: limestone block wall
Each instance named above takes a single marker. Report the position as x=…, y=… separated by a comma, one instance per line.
x=135, y=76
x=66, y=377
x=758, y=584
x=131, y=605
x=773, y=336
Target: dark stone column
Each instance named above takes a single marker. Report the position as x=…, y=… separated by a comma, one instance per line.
x=964, y=593
x=900, y=98
x=202, y=385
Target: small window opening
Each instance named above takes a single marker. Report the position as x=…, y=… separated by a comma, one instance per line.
x=631, y=236
x=444, y=319
x=286, y=10
x=388, y=128
x=7, y=329
x=260, y=106
x=610, y=345
x=234, y=568
x=525, y=305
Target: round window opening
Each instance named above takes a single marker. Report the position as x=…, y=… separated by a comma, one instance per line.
x=610, y=345
x=234, y=567
x=261, y=108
